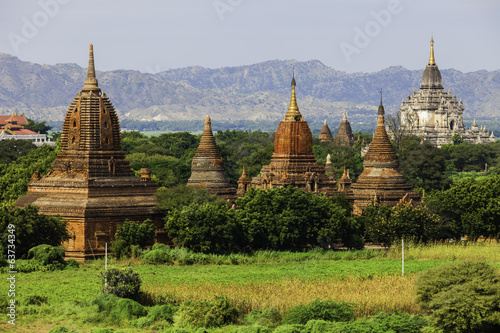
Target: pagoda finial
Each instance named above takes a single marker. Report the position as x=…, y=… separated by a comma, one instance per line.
x=381, y=110
x=324, y=124
x=431, y=58
x=208, y=123
x=345, y=116
x=293, y=108
x=243, y=173
x=91, y=80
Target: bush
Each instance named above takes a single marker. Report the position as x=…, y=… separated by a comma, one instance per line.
x=122, y=283
x=156, y=313
x=320, y=310
x=118, y=309
x=270, y=317
x=462, y=296
x=30, y=229
x=62, y=329
x=206, y=314
x=132, y=233
x=48, y=255
x=289, y=328
x=158, y=257
x=252, y=329
x=34, y=300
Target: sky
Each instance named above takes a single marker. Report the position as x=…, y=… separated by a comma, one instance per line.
x=347, y=35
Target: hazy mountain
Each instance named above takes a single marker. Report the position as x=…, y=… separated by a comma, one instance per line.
x=254, y=92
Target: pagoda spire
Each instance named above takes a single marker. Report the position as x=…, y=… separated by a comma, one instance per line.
x=91, y=80
x=431, y=57
x=293, y=108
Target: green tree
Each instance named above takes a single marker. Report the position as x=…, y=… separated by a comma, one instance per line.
x=14, y=177
x=180, y=196
x=289, y=218
x=423, y=165
x=386, y=225
x=30, y=229
x=13, y=149
x=205, y=227
x=462, y=296
x=456, y=139
x=471, y=207
x=38, y=127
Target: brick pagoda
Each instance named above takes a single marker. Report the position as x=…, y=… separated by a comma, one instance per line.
x=207, y=167
x=344, y=135
x=293, y=162
x=380, y=182
x=91, y=184
x=325, y=135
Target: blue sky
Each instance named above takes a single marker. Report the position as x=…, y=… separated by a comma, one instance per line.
x=347, y=35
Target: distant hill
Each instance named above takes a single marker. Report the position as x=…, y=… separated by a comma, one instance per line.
x=258, y=92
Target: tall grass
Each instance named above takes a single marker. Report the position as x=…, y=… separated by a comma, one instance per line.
x=379, y=293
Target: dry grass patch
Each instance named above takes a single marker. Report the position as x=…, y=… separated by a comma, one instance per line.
x=380, y=293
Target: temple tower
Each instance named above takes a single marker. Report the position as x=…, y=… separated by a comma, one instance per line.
x=344, y=135
x=325, y=135
x=90, y=183
x=436, y=114
x=380, y=181
x=293, y=162
x=243, y=184
x=207, y=167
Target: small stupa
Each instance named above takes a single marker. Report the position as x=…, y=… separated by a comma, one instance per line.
x=207, y=167
x=325, y=135
x=344, y=135
x=380, y=181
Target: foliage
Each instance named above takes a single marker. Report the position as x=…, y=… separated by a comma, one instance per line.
x=14, y=177
x=386, y=225
x=244, y=149
x=270, y=317
x=161, y=312
x=320, y=310
x=206, y=314
x=341, y=156
x=167, y=171
x=289, y=328
x=423, y=165
x=180, y=196
x=132, y=234
x=463, y=296
x=471, y=207
x=208, y=227
x=289, y=218
x=38, y=127
x=62, y=329
x=123, y=283
x=30, y=229
x=473, y=157
x=118, y=309
x=13, y=149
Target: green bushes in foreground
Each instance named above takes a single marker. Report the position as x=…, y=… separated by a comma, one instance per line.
x=327, y=310
x=462, y=296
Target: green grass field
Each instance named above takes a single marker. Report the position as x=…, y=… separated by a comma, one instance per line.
x=370, y=278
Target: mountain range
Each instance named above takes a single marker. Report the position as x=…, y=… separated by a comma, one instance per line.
x=258, y=92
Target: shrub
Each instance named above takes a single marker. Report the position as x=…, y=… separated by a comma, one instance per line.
x=48, y=255
x=206, y=314
x=62, y=329
x=320, y=310
x=122, y=283
x=132, y=234
x=289, y=328
x=160, y=312
x=321, y=326
x=270, y=317
x=462, y=296
x=158, y=257
x=72, y=263
x=34, y=300
x=252, y=329
x=118, y=309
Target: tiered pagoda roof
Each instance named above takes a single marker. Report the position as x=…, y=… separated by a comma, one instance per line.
x=380, y=180
x=207, y=167
x=90, y=183
x=293, y=161
x=325, y=135
x=344, y=135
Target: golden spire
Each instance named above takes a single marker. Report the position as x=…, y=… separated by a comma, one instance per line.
x=91, y=80
x=431, y=58
x=243, y=173
x=381, y=110
x=293, y=108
